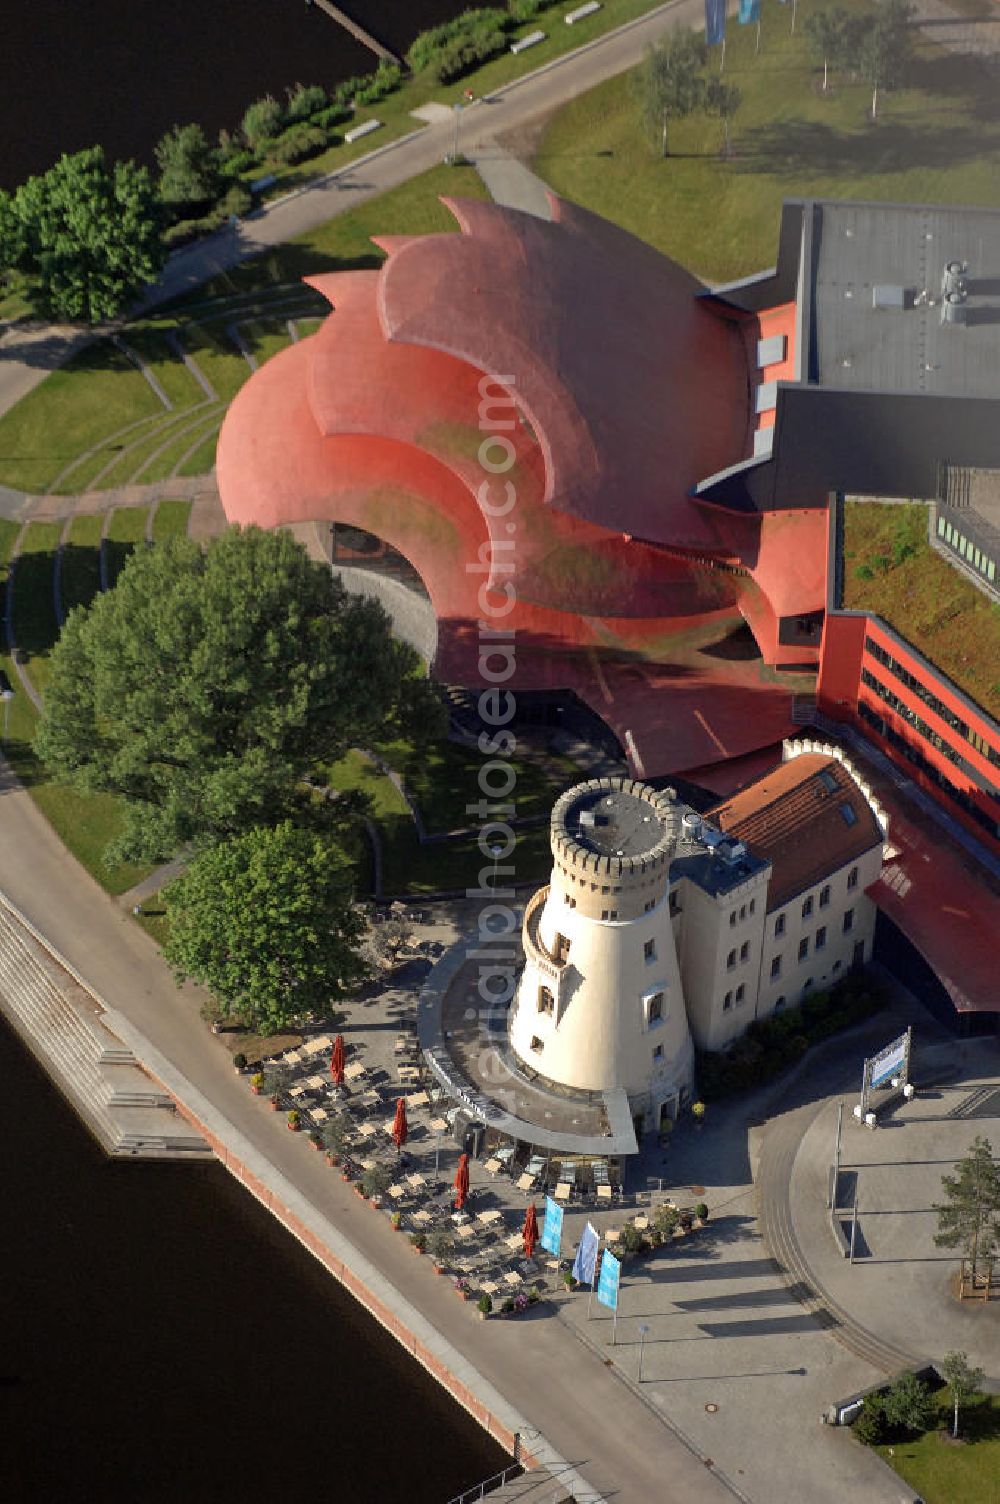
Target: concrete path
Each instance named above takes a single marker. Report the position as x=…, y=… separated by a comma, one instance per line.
x=509, y=181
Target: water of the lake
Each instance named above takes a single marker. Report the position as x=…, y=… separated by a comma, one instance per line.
x=121, y=72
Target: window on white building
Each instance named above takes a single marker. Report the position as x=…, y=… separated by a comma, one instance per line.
x=807, y=908
x=779, y=926
x=727, y=1002
x=848, y=921
x=536, y=1044
x=824, y=896
x=649, y=950
x=821, y=937
x=655, y=1008
x=744, y=950
x=776, y=967
x=852, y=878
x=546, y=1002
x=803, y=948
x=731, y=960
x=658, y=1052
x=741, y=993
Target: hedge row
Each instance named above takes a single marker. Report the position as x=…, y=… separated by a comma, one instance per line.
x=770, y=1044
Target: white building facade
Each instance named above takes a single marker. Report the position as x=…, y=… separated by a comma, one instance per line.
x=661, y=930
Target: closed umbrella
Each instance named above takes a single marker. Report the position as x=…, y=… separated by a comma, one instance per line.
x=400, y=1127
x=337, y=1061
x=462, y=1182
x=530, y=1231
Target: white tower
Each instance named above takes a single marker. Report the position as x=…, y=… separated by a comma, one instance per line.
x=599, y=1005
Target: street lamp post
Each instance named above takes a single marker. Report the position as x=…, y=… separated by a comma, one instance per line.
x=6, y=695
x=644, y=1332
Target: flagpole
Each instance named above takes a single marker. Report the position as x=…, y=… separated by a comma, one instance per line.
x=757, y=48
x=723, y=62
x=794, y=2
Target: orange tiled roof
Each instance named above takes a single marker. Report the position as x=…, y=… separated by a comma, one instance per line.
x=808, y=818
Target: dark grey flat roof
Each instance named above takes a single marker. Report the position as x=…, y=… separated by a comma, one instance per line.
x=881, y=349
x=616, y=823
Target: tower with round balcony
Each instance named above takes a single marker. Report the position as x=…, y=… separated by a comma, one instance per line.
x=599, y=1004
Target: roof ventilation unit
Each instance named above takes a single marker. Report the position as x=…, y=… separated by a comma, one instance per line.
x=691, y=826
x=953, y=278
x=954, y=309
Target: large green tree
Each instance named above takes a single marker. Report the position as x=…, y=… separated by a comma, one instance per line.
x=189, y=167
x=211, y=681
x=265, y=921
x=970, y=1217
x=86, y=234
x=825, y=33
x=671, y=84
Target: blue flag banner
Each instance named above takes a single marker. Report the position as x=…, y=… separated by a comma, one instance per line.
x=585, y=1264
x=749, y=11
x=609, y=1280
x=715, y=21
x=551, y=1239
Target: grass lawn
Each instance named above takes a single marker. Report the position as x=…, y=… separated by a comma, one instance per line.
x=165, y=364
x=217, y=358
x=94, y=394
x=345, y=242
x=945, y=1474
x=81, y=561
x=126, y=530
x=927, y=601
x=34, y=614
x=937, y=140
x=170, y=518
x=175, y=447
x=443, y=780
x=200, y=460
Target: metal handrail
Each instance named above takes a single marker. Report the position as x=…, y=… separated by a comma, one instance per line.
x=488, y=1485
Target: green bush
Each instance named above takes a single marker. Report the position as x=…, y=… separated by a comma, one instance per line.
x=630, y=1239
x=261, y=121
x=870, y=1426
x=298, y=143
x=304, y=101
x=864, y=572
x=908, y=1404
x=330, y=118
x=376, y=1180
x=236, y=200
x=485, y=1303
x=526, y=10
x=457, y=46
x=380, y=84
x=770, y=1044
x=237, y=163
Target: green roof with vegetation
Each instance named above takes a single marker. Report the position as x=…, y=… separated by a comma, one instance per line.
x=891, y=570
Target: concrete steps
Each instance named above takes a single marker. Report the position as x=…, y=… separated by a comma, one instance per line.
x=60, y=1021
x=538, y=1487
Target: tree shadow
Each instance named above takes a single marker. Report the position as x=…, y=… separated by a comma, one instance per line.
x=797, y=149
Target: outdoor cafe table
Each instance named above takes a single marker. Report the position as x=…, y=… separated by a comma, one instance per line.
x=316, y=1082
x=491, y=1215
x=354, y=1070
x=418, y=1099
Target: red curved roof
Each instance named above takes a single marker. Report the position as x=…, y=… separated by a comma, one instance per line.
x=628, y=390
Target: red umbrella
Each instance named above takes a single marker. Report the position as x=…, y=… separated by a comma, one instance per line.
x=400, y=1127
x=462, y=1181
x=530, y=1231
x=337, y=1061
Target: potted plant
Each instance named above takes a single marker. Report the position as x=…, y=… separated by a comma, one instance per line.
x=521, y=1303
x=376, y=1182
x=534, y=1296
x=396, y=1219
x=239, y=1062
x=294, y=1120
x=275, y=1101
x=630, y=1240
x=686, y=1219
x=701, y=1212
x=462, y=1288
x=698, y=1113
x=316, y=1139
x=418, y=1241
x=337, y=1137
x=257, y=1083
x=485, y=1304
x=508, y=1307
x=666, y=1221
x=440, y=1245
x=568, y=1279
